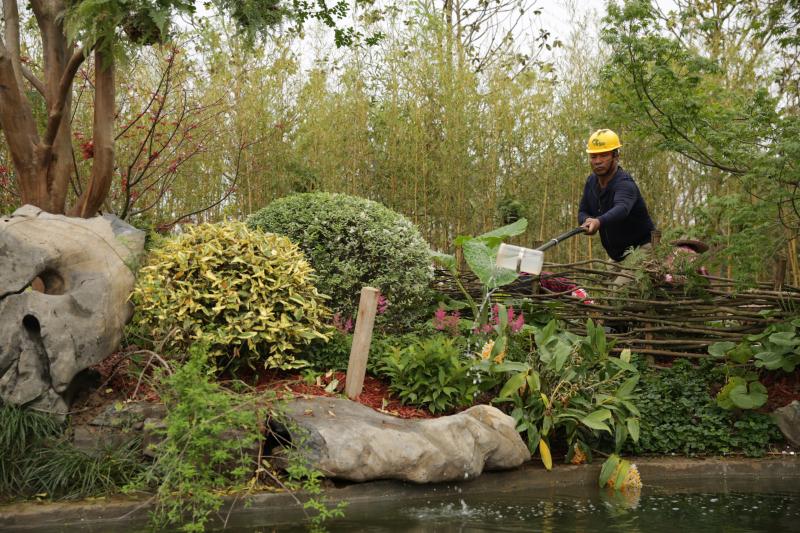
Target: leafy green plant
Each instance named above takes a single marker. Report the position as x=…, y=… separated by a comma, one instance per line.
x=776, y=348
x=249, y=296
x=480, y=254
x=353, y=242
x=573, y=385
x=207, y=433
x=680, y=415
x=330, y=354
x=431, y=372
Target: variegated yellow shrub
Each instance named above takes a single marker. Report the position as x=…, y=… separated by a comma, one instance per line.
x=249, y=295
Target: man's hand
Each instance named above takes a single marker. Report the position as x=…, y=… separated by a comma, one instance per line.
x=591, y=225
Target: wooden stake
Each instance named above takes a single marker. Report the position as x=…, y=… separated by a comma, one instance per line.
x=362, y=337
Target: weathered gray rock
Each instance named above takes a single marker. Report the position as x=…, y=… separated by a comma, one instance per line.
x=64, y=287
x=118, y=424
x=788, y=419
x=350, y=441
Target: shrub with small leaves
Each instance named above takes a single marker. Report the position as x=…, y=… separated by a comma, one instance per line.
x=353, y=242
x=249, y=296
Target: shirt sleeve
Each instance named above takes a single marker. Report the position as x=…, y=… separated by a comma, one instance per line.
x=583, y=208
x=625, y=196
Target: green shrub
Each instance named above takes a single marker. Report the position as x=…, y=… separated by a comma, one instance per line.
x=431, y=373
x=353, y=242
x=679, y=415
x=333, y=354
x=247, y=295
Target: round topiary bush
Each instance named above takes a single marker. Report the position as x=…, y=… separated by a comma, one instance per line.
x=248, y=295
x=353, y=242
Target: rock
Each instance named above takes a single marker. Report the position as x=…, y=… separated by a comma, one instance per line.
x=347, y=440
x=118, y=424
x=788, y=419
x=64, y=288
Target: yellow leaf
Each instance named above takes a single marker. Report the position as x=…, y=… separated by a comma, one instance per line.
x=544, y=451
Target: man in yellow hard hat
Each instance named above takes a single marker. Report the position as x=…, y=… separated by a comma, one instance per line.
x=611, y=203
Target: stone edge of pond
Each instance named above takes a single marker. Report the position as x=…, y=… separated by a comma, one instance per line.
x=106, y=512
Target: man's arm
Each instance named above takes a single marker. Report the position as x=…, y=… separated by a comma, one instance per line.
x=585, y=212
x=624, y=199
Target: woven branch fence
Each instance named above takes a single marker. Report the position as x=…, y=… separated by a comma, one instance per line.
x=678, y=319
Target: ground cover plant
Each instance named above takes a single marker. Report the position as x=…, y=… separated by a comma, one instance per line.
x=679, y=414
x=38, y=460
x=353, y=242
x=249, y=296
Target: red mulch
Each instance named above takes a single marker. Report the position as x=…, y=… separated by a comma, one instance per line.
x=782, y=388
x=119, y=380
x=375, y=393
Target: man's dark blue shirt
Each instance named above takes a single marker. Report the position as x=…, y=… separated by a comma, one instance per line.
x=620, y=208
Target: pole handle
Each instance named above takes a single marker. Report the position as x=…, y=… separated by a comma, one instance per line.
x=564, y=236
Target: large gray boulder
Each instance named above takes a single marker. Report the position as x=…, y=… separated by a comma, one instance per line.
x=347, y=440
x=788, y=419
x=64, y=288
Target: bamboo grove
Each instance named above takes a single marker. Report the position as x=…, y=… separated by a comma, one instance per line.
x=460, y=133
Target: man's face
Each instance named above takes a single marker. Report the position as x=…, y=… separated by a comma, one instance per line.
x=602, y=163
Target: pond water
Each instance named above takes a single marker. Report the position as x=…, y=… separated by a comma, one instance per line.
x=749, y=506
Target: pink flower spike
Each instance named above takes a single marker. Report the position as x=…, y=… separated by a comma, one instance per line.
x=439, y=319
x=517, y=323
x=383, y=304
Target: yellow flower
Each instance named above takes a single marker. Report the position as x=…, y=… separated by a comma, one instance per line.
x=578, y=458
x=486, y=351
x=632, y=481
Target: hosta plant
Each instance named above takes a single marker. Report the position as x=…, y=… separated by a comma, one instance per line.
x=248, y=295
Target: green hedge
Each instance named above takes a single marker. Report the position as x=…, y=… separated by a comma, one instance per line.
x=352, y=242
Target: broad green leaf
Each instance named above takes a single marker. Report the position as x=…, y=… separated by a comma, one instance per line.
x=481, y=260
x=633, y=428
x=626, y=389
x=510, y=230
x=511, y=366
x=533, y=381
x=720, y=349
x=595, y=420
x=622, y=365
x=512, y=385
x=753, y=398
x=624, y=467
x=625, y=355
x=784, y=338
x=741, y=353
x=445, y=260
x=608, y=468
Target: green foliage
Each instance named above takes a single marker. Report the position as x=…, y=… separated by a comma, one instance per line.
x=777, y=347
x=353, y=242
x=571, y=385
x=480, y=253
x=333, y=354
x=679, y=415
x=37, y=459
x=248, y=295
x=432, y=373
x=208, y=438
x=696, y=85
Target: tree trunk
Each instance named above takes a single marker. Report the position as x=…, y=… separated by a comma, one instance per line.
x=92, y=198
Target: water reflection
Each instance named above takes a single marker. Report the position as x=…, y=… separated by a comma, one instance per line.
x=652, y=510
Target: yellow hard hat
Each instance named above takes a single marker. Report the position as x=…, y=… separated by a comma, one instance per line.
x=602, y=141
